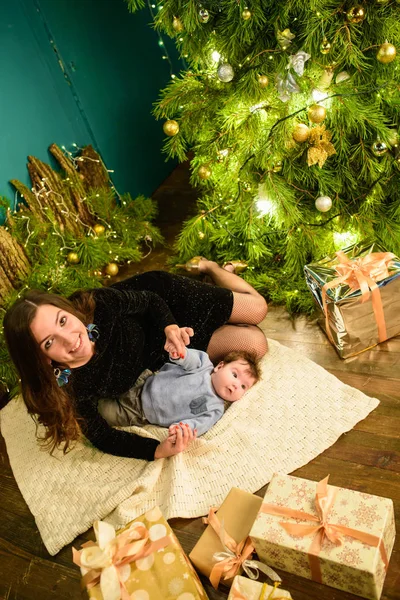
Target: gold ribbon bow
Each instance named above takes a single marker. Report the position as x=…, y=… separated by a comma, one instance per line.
x=362, y=273
x=235, y=556
x=237, y=594
x=324, y=500
x=105, y=562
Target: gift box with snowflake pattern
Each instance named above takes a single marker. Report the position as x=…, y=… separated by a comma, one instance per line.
x=248, y=589
x=336, y=536
x=165, y=572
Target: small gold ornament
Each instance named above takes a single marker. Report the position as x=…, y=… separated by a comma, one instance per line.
x=323, y=203
x=342, y=76
x=73, y=258
x=316, y=113
x=263, y=81
x=204, y=15
x=301, y=132
x=112, y=269
x=277, y=166
x=177, y=25
x=246, y=14
x=325, y=46
x=99, y=229
x=386, y=53
x=356, y=14
x=321, y=147
x=171, y=127
x=379, y=148
x=204, y=172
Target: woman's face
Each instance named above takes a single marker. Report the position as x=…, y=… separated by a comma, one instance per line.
x=61, y=336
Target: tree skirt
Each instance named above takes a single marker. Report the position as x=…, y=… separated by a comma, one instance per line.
x=292, y=415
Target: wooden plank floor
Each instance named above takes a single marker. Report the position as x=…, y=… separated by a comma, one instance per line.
x=366, y=458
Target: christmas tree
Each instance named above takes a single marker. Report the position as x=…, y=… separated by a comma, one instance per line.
x=291, y=111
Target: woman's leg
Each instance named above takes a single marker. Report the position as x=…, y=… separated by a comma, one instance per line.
x=248, y=305
x=229, y=338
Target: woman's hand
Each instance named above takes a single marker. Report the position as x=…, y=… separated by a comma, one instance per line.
x=177, y=338
x=177, y=441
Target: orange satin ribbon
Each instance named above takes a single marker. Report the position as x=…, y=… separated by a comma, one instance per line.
x=127, y=547
x=324, y=500
x=362, y=273
x=229, y=566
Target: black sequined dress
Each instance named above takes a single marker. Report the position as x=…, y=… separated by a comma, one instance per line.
x=131, y=316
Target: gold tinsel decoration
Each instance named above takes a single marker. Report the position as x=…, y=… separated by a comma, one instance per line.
x=321, y=146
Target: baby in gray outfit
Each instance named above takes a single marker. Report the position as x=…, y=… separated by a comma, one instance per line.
x=187, y=391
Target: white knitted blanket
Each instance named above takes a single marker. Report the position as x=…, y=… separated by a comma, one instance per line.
x=296, y=411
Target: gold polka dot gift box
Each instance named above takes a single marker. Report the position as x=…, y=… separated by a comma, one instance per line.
x=332, y=535
x=248, y=589
x=143, y=561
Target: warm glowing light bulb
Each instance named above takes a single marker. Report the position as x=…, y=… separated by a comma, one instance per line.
x=265, y=206
x=215, y=56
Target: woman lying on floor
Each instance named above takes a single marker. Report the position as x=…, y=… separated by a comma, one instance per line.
x=70, y=353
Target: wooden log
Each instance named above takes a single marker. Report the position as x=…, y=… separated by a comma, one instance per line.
x=91, y=167
x=33, y=204
x=55, y=195
x=6, y=287
x=77, y=190
x=13, y=259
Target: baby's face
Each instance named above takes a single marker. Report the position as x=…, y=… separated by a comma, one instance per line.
x=230, y=381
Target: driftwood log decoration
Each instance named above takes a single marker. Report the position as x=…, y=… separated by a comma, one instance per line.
x=56, y=198
x=14, y=264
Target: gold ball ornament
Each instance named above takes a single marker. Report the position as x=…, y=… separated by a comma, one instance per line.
x=316, y=113
x=323, y=203
x=379, y=148
x=263, y=81
x=386, y=53
x=204, y=172
x=171, y=127
x=301, y=132
x=246, y=14
x=277, y=166
x=99, y=229
x=356, y=14
x=325, y=46
x=112, y=269
x=177, y=25
x=73, y=258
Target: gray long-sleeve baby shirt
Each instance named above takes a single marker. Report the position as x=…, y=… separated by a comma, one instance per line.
x=182, y=392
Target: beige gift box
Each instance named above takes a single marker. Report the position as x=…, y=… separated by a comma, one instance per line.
x=237, y=512
x=163, y=574
x=356, y=565
x=248, y=589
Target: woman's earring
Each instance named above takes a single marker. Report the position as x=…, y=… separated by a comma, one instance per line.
x=93, y=332
x=62, y=376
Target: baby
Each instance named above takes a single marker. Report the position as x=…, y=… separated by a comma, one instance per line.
x=188, y=391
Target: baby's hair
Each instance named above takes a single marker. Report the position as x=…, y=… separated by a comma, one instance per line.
x=250, y=358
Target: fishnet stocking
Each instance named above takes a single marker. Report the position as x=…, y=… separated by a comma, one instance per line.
x=248, y=308
x=236, y=337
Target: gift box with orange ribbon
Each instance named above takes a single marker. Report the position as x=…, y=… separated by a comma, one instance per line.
x=143, y=560
x=335, y=536
x=248, y=589
x=358, y=294
x=224, y=550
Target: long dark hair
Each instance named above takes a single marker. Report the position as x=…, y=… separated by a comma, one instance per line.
x=49, y=404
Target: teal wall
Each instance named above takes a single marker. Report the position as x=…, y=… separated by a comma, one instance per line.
x=81, y=71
